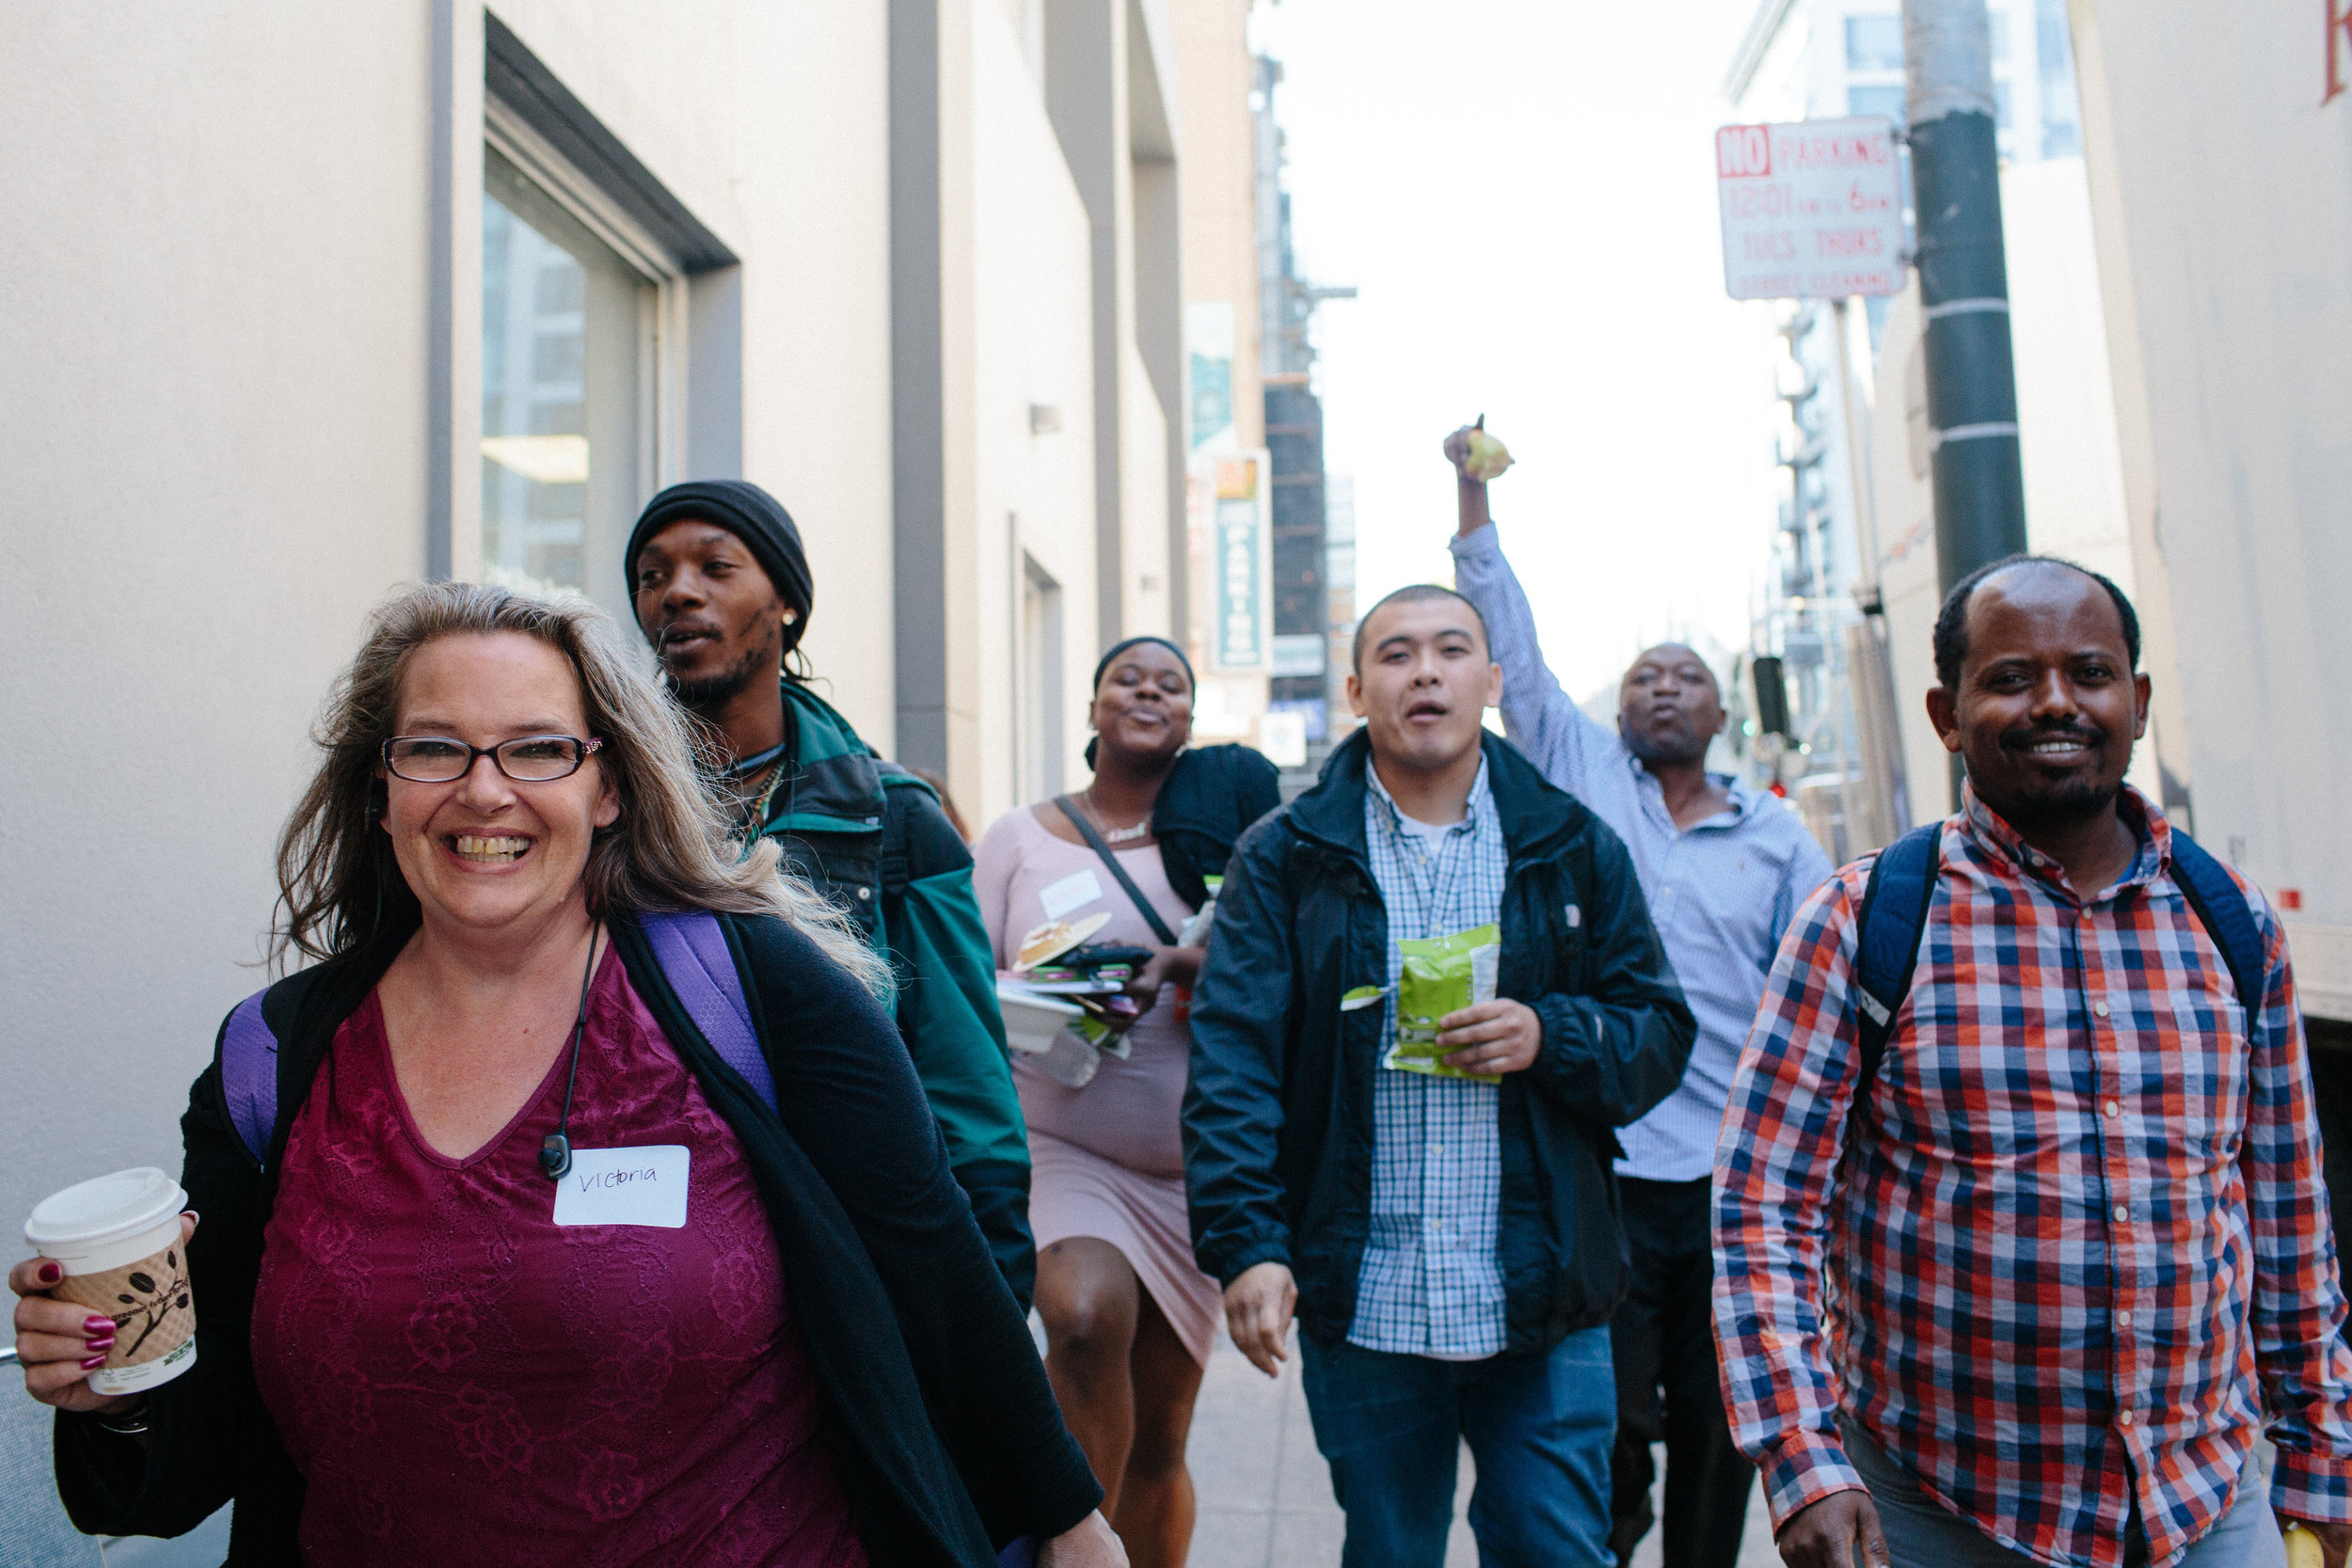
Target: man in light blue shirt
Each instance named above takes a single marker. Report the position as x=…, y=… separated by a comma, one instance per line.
x=1725, y=869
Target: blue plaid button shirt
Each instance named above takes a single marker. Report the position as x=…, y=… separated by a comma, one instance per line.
x=1430, y=1284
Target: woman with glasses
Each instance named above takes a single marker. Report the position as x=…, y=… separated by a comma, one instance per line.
x=1128, y=1319
x=535, y=1260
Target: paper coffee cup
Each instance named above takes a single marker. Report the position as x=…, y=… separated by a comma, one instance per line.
x=118, y=1239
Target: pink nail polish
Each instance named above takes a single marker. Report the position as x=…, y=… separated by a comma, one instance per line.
x=51, y=1273
x=94, y=1324
x=93, y=1363
x=99, y=1341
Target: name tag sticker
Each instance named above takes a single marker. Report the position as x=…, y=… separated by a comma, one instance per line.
x=1076, y=891
x=625, y=1186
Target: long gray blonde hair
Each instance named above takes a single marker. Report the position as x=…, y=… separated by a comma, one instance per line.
x=672, y=848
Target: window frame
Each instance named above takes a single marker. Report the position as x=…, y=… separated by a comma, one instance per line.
x=662, y=317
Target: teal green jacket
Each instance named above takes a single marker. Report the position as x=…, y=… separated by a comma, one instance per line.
x=873, y=837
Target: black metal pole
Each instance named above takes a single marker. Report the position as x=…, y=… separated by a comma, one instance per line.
x=1963, y=284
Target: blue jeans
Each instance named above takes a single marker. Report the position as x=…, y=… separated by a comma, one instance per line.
x=1539, y=1428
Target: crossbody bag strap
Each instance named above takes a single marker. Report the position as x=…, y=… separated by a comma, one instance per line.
x=1143, y=905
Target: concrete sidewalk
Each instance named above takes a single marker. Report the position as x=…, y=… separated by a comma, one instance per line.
x=1265, y=1495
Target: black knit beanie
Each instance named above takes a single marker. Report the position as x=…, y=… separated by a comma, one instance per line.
x=753, y=516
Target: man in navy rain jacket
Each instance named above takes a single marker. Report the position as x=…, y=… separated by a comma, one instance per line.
x=1451, y=1243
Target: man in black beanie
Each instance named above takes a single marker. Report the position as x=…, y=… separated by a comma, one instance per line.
x=722, y=591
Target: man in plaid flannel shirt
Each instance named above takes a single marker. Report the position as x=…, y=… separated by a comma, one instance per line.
x=2080, y=1254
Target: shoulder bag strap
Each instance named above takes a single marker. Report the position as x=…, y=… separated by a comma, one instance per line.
x=2220, y=903
x=1143, y=905
x=1886, y=947
x=248, y=1075
x=700, y=967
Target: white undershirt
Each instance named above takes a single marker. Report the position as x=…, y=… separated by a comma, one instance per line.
x=1430, y=834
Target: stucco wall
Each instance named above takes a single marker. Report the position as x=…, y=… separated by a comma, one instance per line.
x=213, y=294
x=2221, y=162
x=1032, y=258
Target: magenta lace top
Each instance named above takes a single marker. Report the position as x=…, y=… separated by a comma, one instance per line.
x=460, y=1380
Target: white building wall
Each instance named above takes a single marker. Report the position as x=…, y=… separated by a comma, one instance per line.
x=2221, y=171
x=816, y=233
x=212, y=463
x=211, y=459
x=1033, y=348
x=1143, y=487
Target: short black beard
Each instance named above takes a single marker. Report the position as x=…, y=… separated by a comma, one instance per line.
x=2064, y=805
x=2067, y=804
x=712, y=692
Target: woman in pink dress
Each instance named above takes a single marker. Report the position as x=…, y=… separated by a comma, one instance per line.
x=1129, y=1318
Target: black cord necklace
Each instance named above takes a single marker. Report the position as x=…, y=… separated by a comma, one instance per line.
x=556, y=1150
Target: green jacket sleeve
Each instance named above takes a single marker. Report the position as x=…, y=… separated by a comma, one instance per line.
x=947, y=1015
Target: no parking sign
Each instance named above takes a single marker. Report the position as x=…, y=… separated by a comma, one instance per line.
x=1812, y=210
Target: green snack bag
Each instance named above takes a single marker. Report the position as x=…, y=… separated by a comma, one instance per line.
x=1442, y=974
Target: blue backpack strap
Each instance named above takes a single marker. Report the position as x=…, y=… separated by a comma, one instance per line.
x=700, y=967
x=2220, y=903
x=1894, y=917
x=248, y=1075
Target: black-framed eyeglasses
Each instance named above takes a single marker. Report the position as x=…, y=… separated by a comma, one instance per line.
x=526, y=759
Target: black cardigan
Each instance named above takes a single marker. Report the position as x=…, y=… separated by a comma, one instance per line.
x=950, y=1441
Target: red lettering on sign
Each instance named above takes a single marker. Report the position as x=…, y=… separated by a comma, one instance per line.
x=2339, y=42
x=1745, y=152
x=1849, y=241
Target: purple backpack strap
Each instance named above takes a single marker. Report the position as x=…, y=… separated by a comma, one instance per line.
x=696, y=959
x=248, y=1075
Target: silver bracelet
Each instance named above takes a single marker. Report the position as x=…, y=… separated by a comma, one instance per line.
x=131, y=1423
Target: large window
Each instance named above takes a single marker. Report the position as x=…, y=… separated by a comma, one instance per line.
x=566, y=340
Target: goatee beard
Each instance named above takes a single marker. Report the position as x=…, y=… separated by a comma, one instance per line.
x=712, y=692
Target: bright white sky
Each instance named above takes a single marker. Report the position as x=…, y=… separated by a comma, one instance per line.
x=1523, y=190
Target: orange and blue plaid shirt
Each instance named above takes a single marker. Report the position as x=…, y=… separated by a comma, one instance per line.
x=2081, y=1253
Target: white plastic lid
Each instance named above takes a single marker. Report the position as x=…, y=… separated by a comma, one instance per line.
x=109, y=1209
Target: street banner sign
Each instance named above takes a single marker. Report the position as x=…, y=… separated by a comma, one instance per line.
x=1812, y=210
x=1241, y=627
